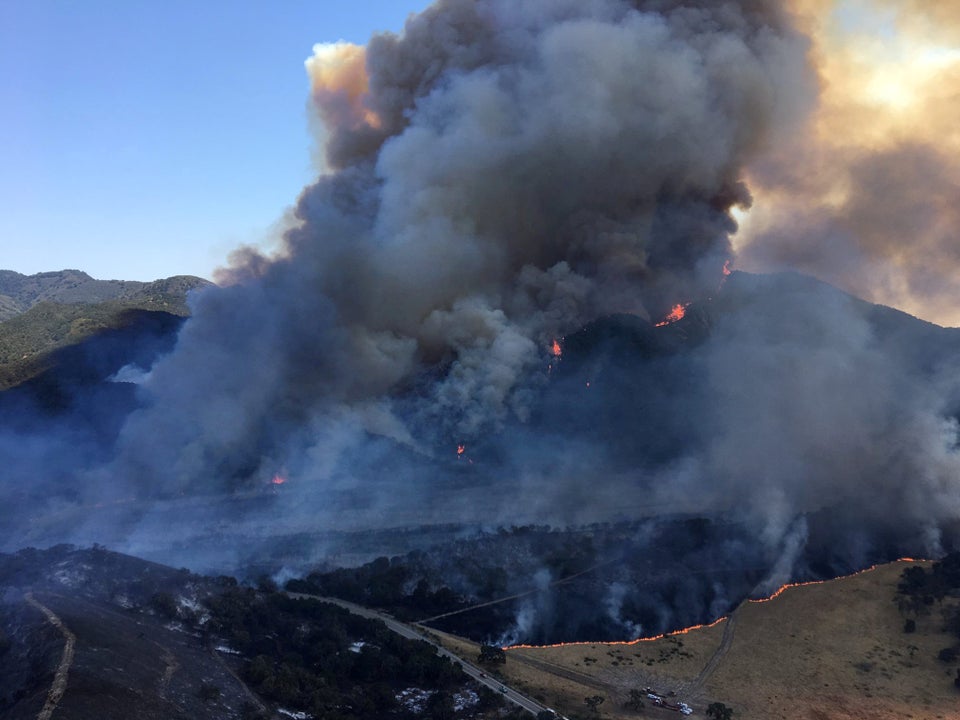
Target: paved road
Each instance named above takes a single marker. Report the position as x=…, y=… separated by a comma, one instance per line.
x=416, y=633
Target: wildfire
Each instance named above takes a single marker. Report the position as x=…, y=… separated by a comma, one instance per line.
x=461, y=449
x=683, y=631
x=652, y=638
x=676, y=313
x=555, y=349
x=779, y=591
x=278, y=479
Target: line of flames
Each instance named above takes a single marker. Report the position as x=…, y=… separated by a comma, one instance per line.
x=683, y=631
x=679, y=311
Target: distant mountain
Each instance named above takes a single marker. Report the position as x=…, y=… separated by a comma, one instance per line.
x=19, y=293
x=48, y=311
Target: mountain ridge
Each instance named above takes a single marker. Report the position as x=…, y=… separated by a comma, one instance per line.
x=45, y=312
x=19, y=292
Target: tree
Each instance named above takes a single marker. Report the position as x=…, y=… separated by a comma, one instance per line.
x=266, y=584
x=440, y=706
x=635, y=702
x=208, y=692
x=949, y=654
x=719, y=711
x=491, y=653
x=594, y=702
x=165, y=604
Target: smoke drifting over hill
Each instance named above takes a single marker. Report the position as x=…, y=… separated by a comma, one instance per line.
x=864, y=195
x=501, y=175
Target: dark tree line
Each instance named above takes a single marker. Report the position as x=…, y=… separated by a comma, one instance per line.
x=320, y=658
x=918, y=590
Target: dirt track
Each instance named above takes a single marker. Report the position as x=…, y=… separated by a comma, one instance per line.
x=59, y=684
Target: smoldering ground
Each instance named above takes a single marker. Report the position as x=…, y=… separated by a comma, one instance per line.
x=499, y=176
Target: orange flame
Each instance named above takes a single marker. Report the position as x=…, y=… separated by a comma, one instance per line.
x=278, y=479
x=779, y=591
x=461, y=449
x=555, y=349
x=676, y=313
x=683, y=631
x=726, y=268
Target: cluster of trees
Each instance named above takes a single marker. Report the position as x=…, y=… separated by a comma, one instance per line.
x=320, y=658
x=917, y=592
x=920, y=587
x=411, y=588
x=384, y=583
x=489, y=566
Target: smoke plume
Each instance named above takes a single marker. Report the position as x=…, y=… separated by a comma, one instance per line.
x=499, y=175
x=863, y=194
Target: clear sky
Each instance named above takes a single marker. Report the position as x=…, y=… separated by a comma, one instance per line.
x=146, y=138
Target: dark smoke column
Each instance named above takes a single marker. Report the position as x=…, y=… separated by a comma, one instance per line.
x=500, y=173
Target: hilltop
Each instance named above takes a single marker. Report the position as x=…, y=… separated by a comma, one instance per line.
x=42, y=313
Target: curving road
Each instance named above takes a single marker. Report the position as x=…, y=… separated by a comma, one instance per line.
x=416, y=633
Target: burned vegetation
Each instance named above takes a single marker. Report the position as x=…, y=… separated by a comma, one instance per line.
x=178, y=645
x=541, y=585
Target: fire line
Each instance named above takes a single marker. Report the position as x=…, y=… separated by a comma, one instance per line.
x=683, y=631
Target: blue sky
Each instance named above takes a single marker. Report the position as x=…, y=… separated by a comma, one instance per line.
x=146, y=138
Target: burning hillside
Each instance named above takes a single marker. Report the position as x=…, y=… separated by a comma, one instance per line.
x=514, y=187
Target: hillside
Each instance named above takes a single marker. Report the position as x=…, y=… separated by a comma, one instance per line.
x=19, y=293
x=94, y=635
x=44, y=312
x=835, y=650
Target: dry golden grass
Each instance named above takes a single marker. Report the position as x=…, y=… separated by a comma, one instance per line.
x=826, y=651
x=837, y=651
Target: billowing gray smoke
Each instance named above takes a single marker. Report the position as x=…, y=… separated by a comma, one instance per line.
x=511, y=172
x=503, y=174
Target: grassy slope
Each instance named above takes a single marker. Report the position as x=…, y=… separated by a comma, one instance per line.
x=837, y=650
x=828, y=651
x=27, y=339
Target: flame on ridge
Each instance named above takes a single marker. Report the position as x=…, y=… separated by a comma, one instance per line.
x=683, y=631
x=676, y=313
